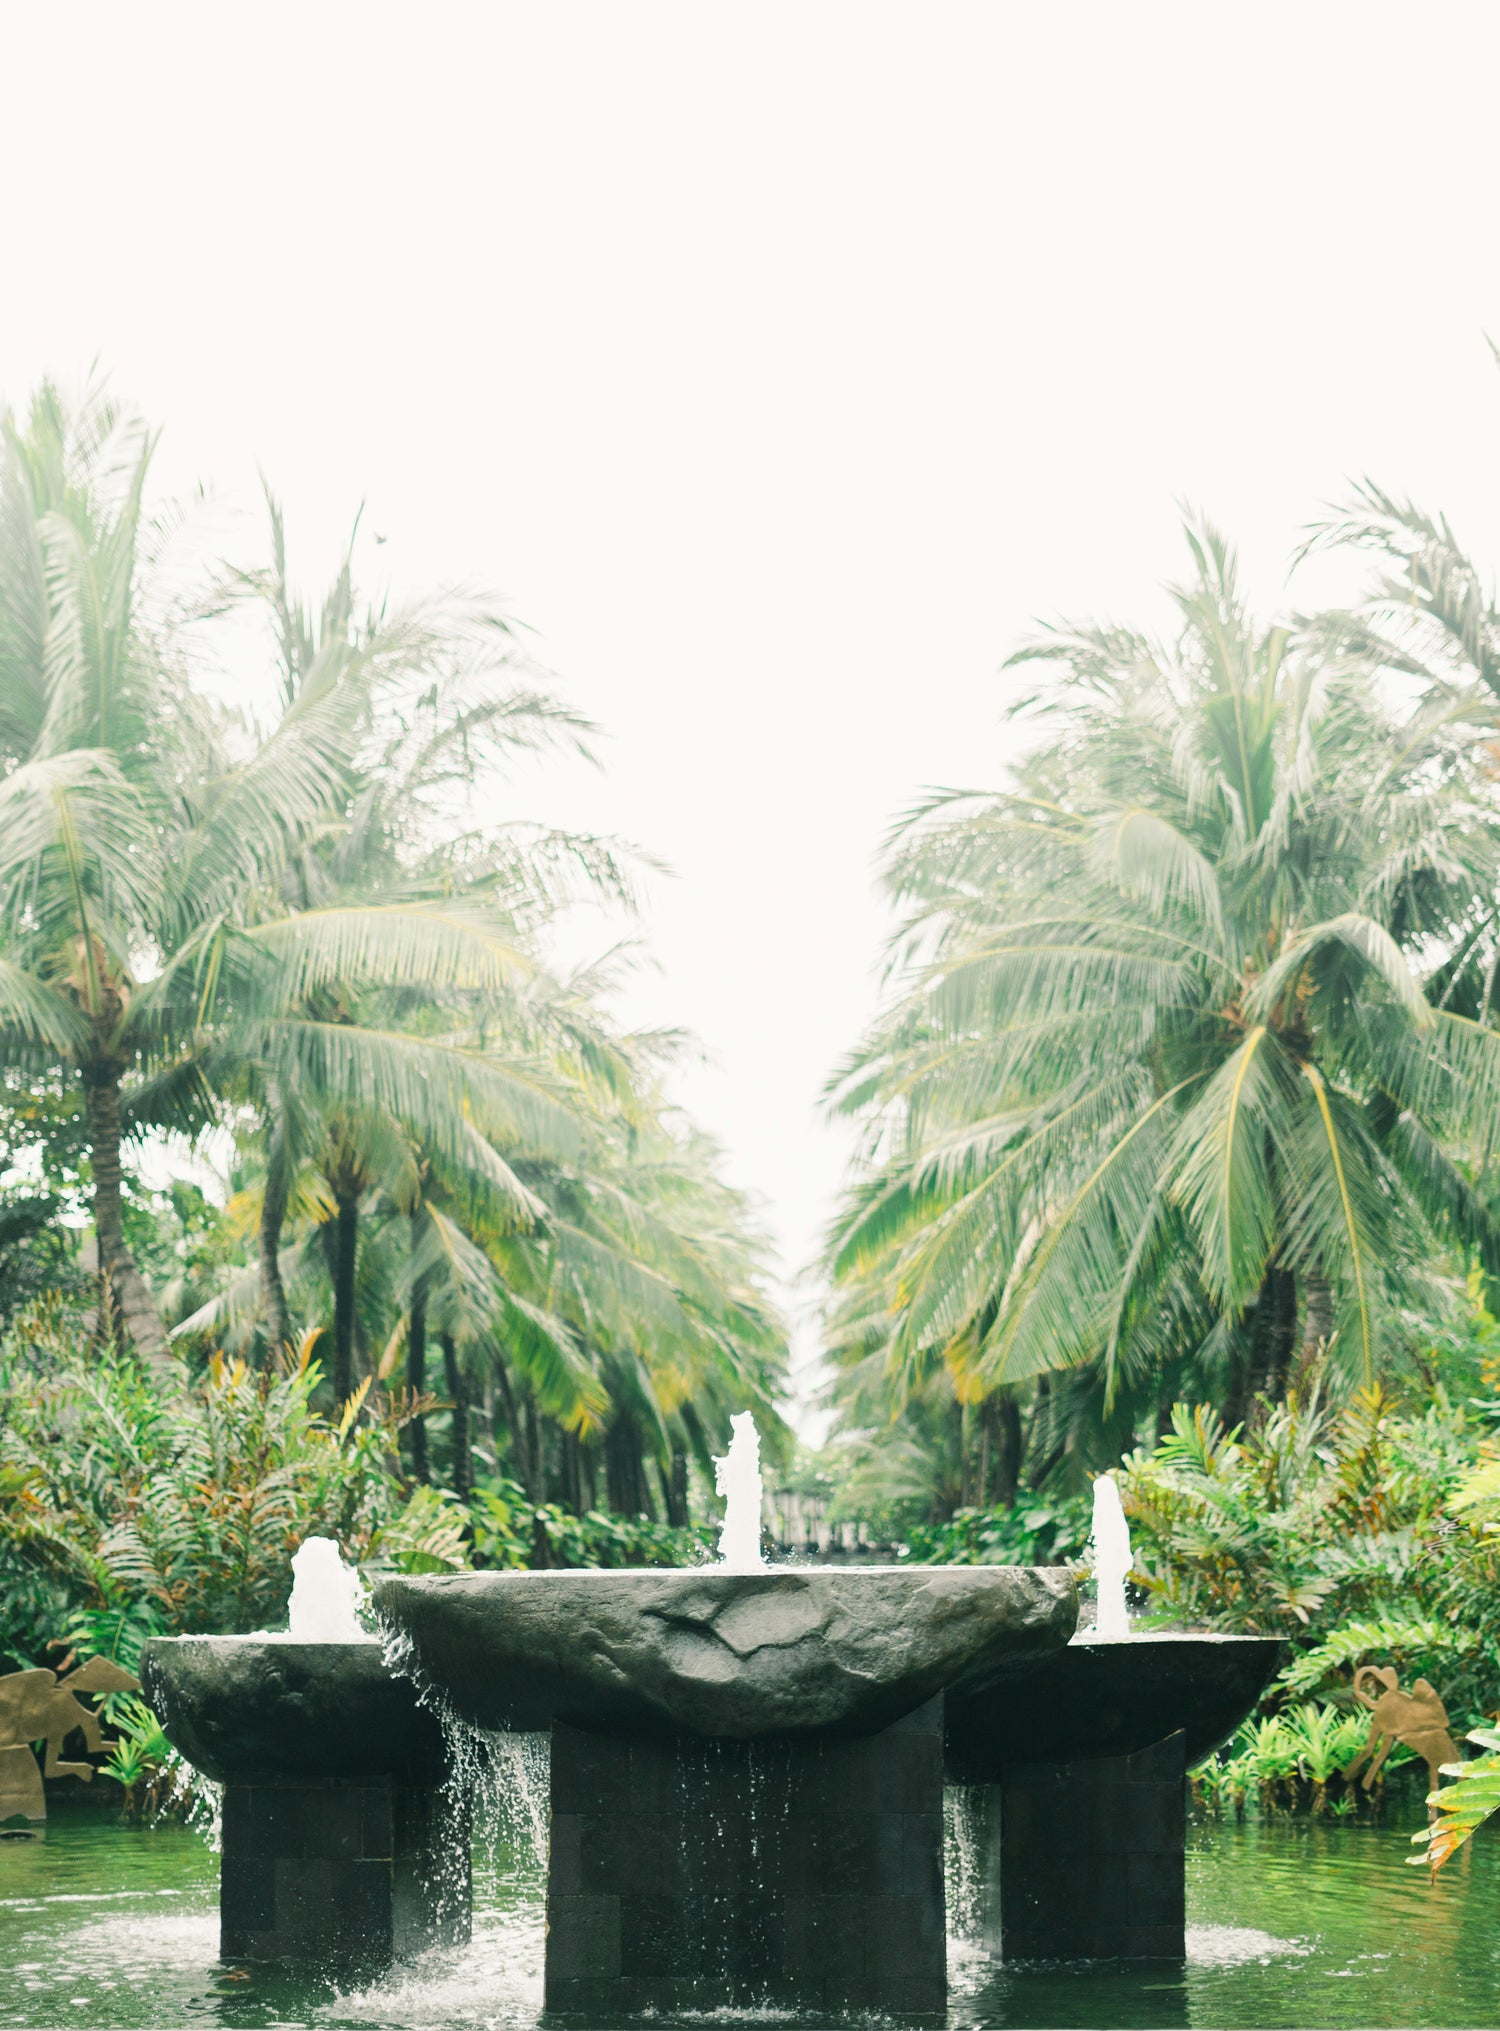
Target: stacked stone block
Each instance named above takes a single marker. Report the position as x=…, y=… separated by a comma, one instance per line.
x=349, y=1876
x=1091, y=1858
x=704, y=1874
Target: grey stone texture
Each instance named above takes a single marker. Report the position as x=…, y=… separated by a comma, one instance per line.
x=343, y=1877
x=1106, y=1699
x=695, y=1874
x=1090, y=1858
x=342, y=1848
x=792, y=1651
x=246, y=1709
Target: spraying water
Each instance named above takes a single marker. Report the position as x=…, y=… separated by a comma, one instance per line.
x=327, y=1596
x=1110, y=1545
x=737, y=1478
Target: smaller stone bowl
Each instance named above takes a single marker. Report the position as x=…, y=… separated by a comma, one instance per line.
x=258, y=1710
x=1107, y=1697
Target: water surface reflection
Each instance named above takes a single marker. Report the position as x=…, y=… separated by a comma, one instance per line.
x=1290, y=1926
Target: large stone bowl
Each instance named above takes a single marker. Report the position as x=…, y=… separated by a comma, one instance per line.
x=1106, y=1697
x=257, y=1710
x=790, y=1651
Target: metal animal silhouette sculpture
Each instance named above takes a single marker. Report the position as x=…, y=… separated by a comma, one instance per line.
x=1418, y=1719
x=39, y=1706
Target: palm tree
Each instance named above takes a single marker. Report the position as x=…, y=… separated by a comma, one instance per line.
x=127, y=828
x=452, y=701
x=1163, y=1091
x=148, y=940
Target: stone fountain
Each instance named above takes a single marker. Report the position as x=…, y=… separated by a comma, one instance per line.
x=1078, y=1771
x=343, y=1844
x=747, y=1763
x=747, y=1768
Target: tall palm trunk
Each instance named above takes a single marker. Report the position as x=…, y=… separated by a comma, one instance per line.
x=346, y=1245
x=101, y=1086
x=1275, y=1331
x=1317, y=1325
x=416, y=1364
x=272, y=1219
x=524, y=1452
x=1008, y=1451
x=628, y=1490
x=674, y=1488
x=458, y=1389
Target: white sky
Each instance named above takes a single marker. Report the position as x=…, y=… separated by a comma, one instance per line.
x=777, y=363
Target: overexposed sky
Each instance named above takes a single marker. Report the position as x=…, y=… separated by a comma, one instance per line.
x=777, y=363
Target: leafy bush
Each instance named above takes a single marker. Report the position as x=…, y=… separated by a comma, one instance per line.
x=510, y=1531
x=1358, y=1533
x=1293, y=1761
x=133, y=1506
x=141, y=1759
x=1031, y=1534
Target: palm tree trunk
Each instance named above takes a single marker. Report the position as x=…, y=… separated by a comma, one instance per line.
x=524, y=1452
x=346, y=1245
x=625, y=1470
x=272, y=1218
x=1008, y=1453
x=1317, y=1326
x=416, y=1369
x=458, y=1389
x=675, y=1489
x=101, y=1086
x=1282, y=1334
x=1044, y=1462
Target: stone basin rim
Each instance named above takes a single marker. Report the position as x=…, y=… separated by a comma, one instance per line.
x=520, y=1576
x=1138, y=1638
x=283, y=1637
x=709, y=1652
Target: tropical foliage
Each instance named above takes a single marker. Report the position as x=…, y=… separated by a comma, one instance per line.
x=132, y=1507
x=1293, y=1761
x=1188, y=1076
x=314, y=948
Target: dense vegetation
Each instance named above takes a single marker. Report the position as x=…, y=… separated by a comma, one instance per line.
x=475, y=1289
x=1187, y=1088
x=1177, y=1128
x=1179, y=1132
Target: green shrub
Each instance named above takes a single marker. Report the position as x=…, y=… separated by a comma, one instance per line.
x=1032, y=1534
x=511, y=1531
x=131, y=1506
x=1293, y=1762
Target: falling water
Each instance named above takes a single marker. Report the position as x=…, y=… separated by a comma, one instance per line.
x=327, y=1596
x=737, y=1478
x=1110, y=1545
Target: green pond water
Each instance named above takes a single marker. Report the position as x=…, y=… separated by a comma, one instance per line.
x=1290, y=1925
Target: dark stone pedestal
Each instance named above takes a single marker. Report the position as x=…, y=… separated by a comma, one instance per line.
x=347, y=1876
x=704, y=1874
x=1090, y=1857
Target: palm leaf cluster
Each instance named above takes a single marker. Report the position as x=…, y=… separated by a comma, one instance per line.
x=1189, y=1074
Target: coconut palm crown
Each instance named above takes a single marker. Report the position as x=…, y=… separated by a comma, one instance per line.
x=1170, y=1085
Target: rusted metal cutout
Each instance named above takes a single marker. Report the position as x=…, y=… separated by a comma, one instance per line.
x=1416, y=1719
x=37, y=1706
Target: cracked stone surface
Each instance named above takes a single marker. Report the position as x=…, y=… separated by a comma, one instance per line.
x=246, y=1709
x=791, y=1651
